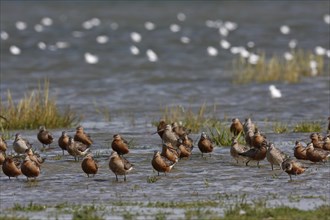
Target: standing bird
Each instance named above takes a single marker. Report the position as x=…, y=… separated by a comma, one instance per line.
x=120, y=145
x=82, y=137
x=248, y=125
x=77, y=149
x=20, y=144
x=317, y=143
x=179, y=129
x=188, y=142
x=170, y=137
x=237, y=148
x=292, y=167
x=326, y=144
x=2, y=157
x=275, y=156
x=3, y=144
x=184, y=151
x=256, y=154
x=44, y=136
x=205, y=144
x=300, y=151
x=34, y=157
x=89, y=165
x=316, y=154
x=161, y=128
x=160, y=164
x=119, y=165
x=258, y=139
x=63, y=141
x=10, y=168
x=236, y=126
x=170, y=153
x=30, y=168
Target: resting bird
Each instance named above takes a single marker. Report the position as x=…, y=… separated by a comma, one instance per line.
x=11, y=168
x=20, y=144
x=119, y=165
x=89, y=165
x=316, y=154
x=3, y=144
x=63, y=141
x=237, y=148
x=205, y=144
x=300, y=151
x=236, y=126
x=77, y=149
x=44, y=136
x=120, y=145
x=82, y=137
x=160, y=164
x=275, y=156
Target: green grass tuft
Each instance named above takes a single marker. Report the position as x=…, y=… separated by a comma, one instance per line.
x=308, y=127
x=31, y=207
x=87, y=213
x=34, y=110
x=277, y=68
x=189, y=119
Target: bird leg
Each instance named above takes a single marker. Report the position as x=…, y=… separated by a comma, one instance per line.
x=116, y=178
x=247, y=163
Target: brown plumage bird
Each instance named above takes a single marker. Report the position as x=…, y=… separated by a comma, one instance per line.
x=248, y=125
x=256, y=154
x=179, y=129
x=34, y=157
x=119, y=165
x=237, y=148
x=275, y=156
x=30, y=168
x=2, y=157
x=300, y=151
x=316, y=154
x=292, y=167
x=258, y=139
x=82, y=137
x=44, y=136
x=184, y=151
x=317, y=143
x=326, y=144
x=77, y=149
x=63, y=141
x=160, y=164
x=120, y=145
x=161, y=128
x=10, y=168
x=170, y=137
x=236, y=126
x=205, y=144
x=188, y=142
x=3, y=144
x=89, y=165
x=170, y=153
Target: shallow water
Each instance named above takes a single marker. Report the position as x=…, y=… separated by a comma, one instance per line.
x=135, y=90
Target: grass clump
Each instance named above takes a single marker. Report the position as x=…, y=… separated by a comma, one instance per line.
x=280, y=128
x=31, y=207
x=34, y=110
x=87, y=213
x=308, y=127
x=189, y=119
x=277, y=68
x=221, y=136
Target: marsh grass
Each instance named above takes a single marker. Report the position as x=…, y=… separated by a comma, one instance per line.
x=87, y=213
x=35, y=109
x=6, y=217
x=313, y=126
x=204, y=117
x=221, y=136
x=277, y=68
x=31, y=207
x=279, y=127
